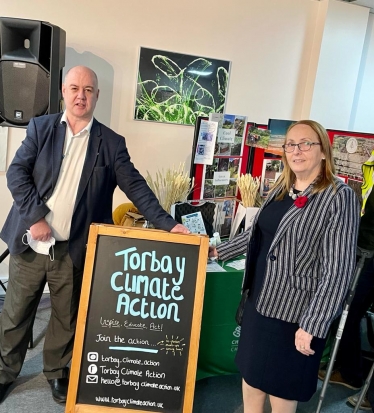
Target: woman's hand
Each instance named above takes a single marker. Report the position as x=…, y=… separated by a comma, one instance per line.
x=212, y=252
x=302, y=342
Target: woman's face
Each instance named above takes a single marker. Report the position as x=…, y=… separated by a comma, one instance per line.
x=304, y=164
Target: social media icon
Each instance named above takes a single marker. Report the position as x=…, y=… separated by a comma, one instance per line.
x=92, y=369
x=93, y=356
x=92, y=379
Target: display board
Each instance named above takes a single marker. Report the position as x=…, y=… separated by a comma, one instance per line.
x=218, y=182
x=139, y=321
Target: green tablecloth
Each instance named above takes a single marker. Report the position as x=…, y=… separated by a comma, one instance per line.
x=219, y=332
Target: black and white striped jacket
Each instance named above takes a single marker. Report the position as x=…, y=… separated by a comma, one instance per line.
x=311, y=259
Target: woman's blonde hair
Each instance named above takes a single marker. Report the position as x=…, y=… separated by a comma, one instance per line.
x=326, y=177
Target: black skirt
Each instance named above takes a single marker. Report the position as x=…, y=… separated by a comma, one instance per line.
x=267, y=358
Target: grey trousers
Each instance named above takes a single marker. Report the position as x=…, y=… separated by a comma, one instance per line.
x=28, y=274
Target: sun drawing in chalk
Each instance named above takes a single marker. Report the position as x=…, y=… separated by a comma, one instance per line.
x=173, y=345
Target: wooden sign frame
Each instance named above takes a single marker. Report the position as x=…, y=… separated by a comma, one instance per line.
x=97, y=230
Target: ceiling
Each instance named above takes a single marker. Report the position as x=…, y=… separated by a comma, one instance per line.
x=366, y=3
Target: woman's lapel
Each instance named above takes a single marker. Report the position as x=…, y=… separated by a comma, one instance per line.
x=289, y=217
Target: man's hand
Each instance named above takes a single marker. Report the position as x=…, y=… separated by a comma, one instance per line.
x=180, y=229
x=41, y=231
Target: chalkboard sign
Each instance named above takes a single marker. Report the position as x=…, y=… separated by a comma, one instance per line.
x=139, y=321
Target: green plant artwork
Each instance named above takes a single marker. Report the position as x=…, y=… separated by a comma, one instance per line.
x=177, y=88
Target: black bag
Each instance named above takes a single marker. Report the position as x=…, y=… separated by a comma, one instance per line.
x=240, y=310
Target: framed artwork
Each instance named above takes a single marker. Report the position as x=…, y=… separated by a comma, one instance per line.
x=177, y=88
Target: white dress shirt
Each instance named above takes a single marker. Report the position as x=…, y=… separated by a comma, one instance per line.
x=62, y=201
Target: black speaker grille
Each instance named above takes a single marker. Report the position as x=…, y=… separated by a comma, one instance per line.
x=24, y=91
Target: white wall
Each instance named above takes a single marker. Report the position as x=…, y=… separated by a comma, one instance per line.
x=339, y=63
x=362, y=116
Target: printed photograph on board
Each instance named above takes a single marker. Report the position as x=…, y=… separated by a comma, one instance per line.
x=236, y=147
x=271, y=170
x=230, y=133
x=177, y=88
x=350, y=153
x=223, y=164
x=278, y=129
x=208, y=189
x=239, y=125
x=220, y=178
x=220, y=191
x=224, y=217
x=233, y=167
x=224, y=149
x=258, y=138
x=210, y=169
x=231, y=188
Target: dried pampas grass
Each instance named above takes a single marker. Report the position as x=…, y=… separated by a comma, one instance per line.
x=248, y=187
x=171, y=186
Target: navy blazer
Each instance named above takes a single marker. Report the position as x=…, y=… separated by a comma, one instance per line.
x=310, y=262
x=33, y=174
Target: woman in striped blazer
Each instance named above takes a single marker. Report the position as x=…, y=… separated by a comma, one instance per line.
x=301, y=253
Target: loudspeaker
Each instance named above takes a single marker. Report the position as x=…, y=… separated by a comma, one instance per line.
x=32, y=56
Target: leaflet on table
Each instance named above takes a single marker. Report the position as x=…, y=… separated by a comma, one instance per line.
x=241, y=212
x=194, y=222
x=206, y=142
x=238, y=264
x=213, y=266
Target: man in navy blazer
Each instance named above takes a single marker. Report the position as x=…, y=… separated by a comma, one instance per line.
x=62, y=179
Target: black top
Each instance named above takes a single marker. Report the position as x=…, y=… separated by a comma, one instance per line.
x=267, y=225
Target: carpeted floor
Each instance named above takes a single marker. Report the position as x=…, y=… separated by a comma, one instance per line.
x=30, y=393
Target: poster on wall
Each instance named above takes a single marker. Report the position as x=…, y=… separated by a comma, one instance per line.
x=230, y=133
x=206, y=142
x=3, y=147
x=219, y=178
x=278, y=128
x=177, y=88
x=350, y=153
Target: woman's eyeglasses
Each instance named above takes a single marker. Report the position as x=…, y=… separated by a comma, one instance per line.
x=303, y=146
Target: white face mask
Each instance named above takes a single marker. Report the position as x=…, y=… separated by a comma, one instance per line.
x=40, y=247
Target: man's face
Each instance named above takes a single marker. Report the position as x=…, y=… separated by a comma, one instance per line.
x=80, y=93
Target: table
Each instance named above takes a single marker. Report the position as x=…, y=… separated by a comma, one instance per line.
x=219, y=334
